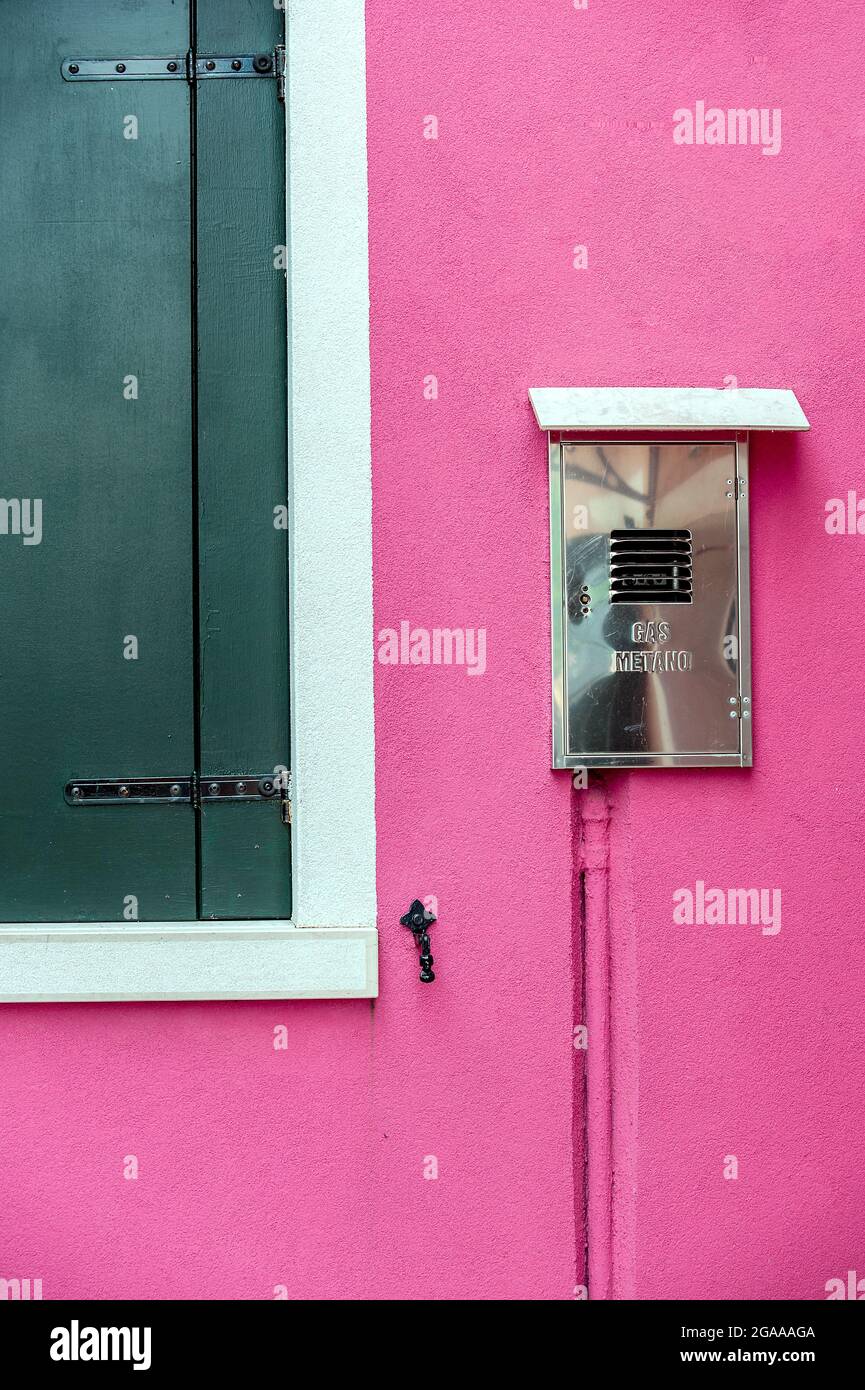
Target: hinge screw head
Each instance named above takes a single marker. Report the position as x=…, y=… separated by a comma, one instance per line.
x=73, y=67
x=175, y=789
x=120, y=67
x=172, y=67
x=262, y=62
x=732, y=714
x=210, y=65
x=241, y=786
x=124, y=791
x=76, y=791
x=213, y=788
x=236, y=65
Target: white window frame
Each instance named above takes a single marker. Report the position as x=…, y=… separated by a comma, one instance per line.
x=329, y=949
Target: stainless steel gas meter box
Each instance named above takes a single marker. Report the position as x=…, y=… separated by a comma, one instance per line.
x=649, y=580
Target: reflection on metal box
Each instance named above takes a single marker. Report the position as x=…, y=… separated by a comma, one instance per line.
x=649, y=546
x=651, y=661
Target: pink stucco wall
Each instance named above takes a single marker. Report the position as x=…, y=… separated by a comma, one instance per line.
x=704, y=264
x=304, y=1167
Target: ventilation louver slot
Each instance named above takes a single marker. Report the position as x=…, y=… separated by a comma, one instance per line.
x=650, y=566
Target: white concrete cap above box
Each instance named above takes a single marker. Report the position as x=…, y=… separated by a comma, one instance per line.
x=651, y=636
x=664, y=408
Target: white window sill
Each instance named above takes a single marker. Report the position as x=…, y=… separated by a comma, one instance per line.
x=102, y=961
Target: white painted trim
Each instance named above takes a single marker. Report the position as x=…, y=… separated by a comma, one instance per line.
x=331, y=631
x=53, y=961
x=330, y=495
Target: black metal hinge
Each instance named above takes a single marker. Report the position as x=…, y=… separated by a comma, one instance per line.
x=192, y=791
x=181, y=67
